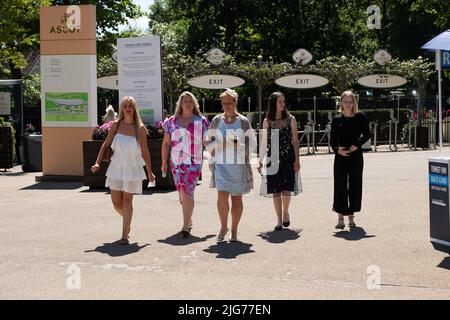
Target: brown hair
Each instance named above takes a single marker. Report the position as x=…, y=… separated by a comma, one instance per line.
x=272, y=106
x=179, y=109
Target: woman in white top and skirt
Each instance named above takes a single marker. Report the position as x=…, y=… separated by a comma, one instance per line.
x=128, y=141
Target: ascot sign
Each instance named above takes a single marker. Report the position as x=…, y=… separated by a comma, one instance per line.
x=215, y=56
x=302, y=81
x=70, y=21
x=382, y=81
x=216, y=81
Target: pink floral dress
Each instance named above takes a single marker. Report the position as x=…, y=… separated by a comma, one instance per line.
x=186, y=153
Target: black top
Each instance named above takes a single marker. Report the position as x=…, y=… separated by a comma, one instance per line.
x=348, y=131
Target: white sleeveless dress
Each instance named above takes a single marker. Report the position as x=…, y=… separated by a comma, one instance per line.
x=125, y=171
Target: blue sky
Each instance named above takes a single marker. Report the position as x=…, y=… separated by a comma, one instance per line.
x=141, y=22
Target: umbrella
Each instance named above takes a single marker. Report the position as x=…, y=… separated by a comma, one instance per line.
x=440, y=42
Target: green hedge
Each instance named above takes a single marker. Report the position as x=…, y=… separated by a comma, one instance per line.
x=6, y=124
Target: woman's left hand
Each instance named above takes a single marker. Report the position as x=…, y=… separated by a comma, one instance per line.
x=296, y=166
x=353, y=148
x=151, y=177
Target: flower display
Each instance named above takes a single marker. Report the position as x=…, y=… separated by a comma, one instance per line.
x=29, y=128
x=101, y=132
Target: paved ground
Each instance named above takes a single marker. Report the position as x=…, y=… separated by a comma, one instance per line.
x=52, y=231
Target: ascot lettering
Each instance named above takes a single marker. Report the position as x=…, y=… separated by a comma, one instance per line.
x=62, y=29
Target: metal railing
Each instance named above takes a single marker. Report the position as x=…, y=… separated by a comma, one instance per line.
x=384, y=135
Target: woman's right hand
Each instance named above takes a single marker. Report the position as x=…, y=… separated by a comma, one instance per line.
x=164, y=170
x=342, y=152
x=259, y=167
x=95, y=168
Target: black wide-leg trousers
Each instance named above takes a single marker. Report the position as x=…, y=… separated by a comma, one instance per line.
x=348, y=175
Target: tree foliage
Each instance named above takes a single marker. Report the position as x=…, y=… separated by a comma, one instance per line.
x=19, y=27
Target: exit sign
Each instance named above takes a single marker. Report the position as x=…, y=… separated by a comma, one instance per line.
x=445, y=59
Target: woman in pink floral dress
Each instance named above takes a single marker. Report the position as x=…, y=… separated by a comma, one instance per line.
x=184, y=136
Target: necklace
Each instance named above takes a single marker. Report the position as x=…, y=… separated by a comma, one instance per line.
x=230, y=118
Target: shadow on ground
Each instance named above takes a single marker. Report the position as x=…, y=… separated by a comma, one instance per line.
x=230, y=250
x=445, y=264
x=12, y=174
x=149, y=191
x=178, y=240
x=114, y=249
x=280, y=236
x=54, y=186
x=96, y=190
x=354, y=234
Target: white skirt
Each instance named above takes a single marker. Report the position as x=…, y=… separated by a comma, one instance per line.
x=134, y=187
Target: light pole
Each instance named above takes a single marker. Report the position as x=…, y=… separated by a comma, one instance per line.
x=260, y=91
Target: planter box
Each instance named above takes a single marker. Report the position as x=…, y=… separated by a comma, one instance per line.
x=6, y=159
x=91, y=149
x=32, y=149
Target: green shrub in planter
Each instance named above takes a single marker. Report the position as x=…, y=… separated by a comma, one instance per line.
x=7, y=144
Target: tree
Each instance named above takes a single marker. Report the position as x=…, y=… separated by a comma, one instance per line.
x=343, y=71
x=418, y=70
x=110, y=14
x=19, y=27
x=247, y=28
x=19, y=32
x=32, y=90
x=262, y=74
x=408, y=24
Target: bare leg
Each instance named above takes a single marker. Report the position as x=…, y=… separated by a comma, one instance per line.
x=223, y=208
x=188, y=209
x=351, y=221
x=286, y=201
x=127, y=213
x=116, y=197
x=340, y=224
x=237, y=208
x=278, y=207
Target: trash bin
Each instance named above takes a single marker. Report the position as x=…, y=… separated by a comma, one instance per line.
x=439, y=203
x=422, y=137
x=445, y=129
x=32, y=149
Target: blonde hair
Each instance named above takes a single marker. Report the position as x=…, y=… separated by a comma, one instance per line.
x=138, y=123
x=231, y=93
x=179, y=109
x=353, y=96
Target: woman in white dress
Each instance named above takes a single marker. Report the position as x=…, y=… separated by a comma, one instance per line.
x=128, y=141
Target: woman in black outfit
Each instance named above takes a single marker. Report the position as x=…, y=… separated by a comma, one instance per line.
x=349, y=131
x=279, y=162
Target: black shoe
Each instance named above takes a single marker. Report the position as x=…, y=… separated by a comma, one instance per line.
x=123, y=242
x=278, y=228
x=185, y=233
x=287, y=222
